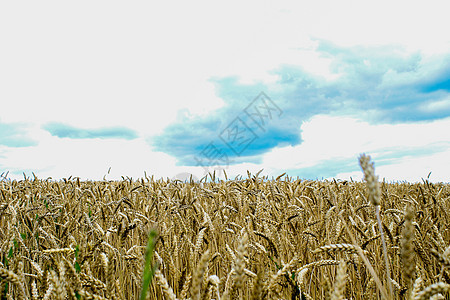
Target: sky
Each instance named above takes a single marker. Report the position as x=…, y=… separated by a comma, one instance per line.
x=105, y=89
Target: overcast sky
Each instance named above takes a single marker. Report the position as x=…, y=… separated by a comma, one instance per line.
x=169, y=87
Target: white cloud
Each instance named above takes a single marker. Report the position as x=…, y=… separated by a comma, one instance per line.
x=437, y=106
x=411, y=169
x=410, y=148
x=88, y=158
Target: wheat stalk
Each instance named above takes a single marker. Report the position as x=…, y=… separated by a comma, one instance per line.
x=374, y=197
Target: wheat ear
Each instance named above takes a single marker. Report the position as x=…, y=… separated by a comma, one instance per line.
x=13, y=278
x=339, y=285
x=258, y=285
x=433, y=289
x=407, y=250
x=162, y=281
x=212, y=283
x=197, y=279
x=34, y=291
x=240, y=263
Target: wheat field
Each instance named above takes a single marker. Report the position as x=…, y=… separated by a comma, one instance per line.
x=251, y=238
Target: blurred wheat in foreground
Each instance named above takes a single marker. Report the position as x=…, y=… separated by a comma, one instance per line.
x=248, y=238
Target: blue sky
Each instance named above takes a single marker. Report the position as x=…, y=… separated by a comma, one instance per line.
x=291, y=86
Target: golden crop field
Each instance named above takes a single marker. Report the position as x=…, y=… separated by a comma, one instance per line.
x=250, y=238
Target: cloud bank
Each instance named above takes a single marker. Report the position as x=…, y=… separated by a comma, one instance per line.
x=380, y=85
